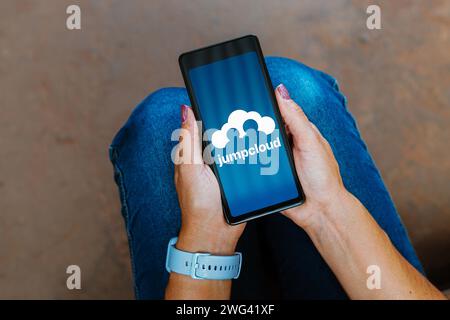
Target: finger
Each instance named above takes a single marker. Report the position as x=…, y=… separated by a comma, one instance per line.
x=289, y=134
x=286, y=128
x=293, y=115
x=322, y=139
x=316, y=130
x=190, y=147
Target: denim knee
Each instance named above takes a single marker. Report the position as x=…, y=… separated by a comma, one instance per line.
x=310, y=88
x=158, y=112
x=160, y=104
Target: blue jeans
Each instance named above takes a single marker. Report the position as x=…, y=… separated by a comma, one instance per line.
x=279, y=259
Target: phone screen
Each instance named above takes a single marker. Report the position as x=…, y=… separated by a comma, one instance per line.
x=241, y=124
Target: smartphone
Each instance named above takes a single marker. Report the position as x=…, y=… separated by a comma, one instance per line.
x=243, y=134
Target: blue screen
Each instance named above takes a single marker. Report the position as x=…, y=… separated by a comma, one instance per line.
x=249, y=182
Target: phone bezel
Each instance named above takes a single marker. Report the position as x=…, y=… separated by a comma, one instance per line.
x=222, y=51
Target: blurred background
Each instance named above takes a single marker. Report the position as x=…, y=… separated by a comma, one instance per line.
x=64, y=94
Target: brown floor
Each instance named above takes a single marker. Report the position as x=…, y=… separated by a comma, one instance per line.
x=65, y=93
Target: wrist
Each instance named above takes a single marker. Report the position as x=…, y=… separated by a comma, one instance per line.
x=334, y=213
x=200, y=241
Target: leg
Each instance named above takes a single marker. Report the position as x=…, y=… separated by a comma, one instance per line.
x=150, y=206
x=143, y=168
x=301, y=270
x=140, y=154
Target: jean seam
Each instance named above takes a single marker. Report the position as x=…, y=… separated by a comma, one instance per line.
x=123, y=196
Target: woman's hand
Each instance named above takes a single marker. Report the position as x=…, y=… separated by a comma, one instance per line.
x=314, y=161
x=341, y=228
x=203, y=227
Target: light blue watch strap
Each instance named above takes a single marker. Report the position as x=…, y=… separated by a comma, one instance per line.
x=202, y=265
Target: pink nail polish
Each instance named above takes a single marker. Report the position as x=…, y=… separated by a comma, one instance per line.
x=284, y=93
x=184, y=111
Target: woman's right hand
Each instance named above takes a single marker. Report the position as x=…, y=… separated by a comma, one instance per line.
x=341, y=228
x=315, y=164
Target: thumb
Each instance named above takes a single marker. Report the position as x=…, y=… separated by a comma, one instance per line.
x=190, y=146
x=295, y=119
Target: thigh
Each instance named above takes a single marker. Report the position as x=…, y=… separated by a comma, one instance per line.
x=141, y=156
x=302, y=271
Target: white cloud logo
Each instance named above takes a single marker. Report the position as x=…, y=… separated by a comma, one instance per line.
x=236, y=121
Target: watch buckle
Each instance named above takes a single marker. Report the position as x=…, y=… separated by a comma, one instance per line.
x=195, y=265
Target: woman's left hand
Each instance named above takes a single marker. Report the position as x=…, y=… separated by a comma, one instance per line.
x=203, y=226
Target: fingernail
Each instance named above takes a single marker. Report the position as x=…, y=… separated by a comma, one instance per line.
x=284, y=93
x=184, y=113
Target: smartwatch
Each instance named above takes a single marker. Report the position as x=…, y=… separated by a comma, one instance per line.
x=202, y=265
